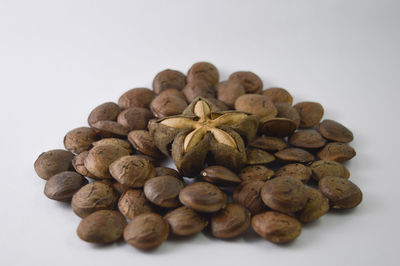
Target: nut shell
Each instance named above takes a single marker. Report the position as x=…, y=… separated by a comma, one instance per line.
x=163, y=191
x=342, y=193
x=80, y=139
x=62, y=186
x=133, y=203
x=53, y=162
x=183, y=221
x=250, y=81
x=248, y=194
x=137, y=97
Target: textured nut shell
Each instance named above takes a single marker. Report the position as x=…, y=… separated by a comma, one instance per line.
x=162, y=170
x=80, y=139
x=163, y=191
x=278, y=95
x=316, y=206
x=62, y=186
x=219, y=104
x=278, y=127
x=102, y=227
x=143, y=142
x=334, y=131
x=93, y=197
x=198, y=88
x=294, y=155
x=137, y=97
x=248, y=194
x=167, y=105
x=250, y=81
x=256, y=104
x=268, y=143
x=276, y=227
x=257, y=156
x=309, y=138
x=78, y=162
x=133, y=202
x=295, y=170
x=146, y=231
x=255, y=172
x=228, y=91
x=114, y=141
x=105, y=112
x=173, y=92
x=220, y=175
x=183, y=221
x=53, y=162
x=324, y=168
x=168, y=79
x=135, y=118
x=336, y=151
x=203, y=71
x=310, y=113
x=231, y=221
x=287, y=111
x=342, y=193
x=203, y=197
x=110, y=128
x=284, y=194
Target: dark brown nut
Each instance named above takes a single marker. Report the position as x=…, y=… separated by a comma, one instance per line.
x=308, y=138
x=287, y=111
x=80, y=139
x=337, y=151
x=114, y=141
x=167, y=105
x=334, y=131
x=221, y=106
x=138, y=97
x=110, y=128
x=268, y=143
x=118, y=187
x=276, y=227
x=220, y=175
x=143, y=142
x=153, y=160
x=278, y=95
x=257, y=156
x=132, y=171
x=133, y=203
x=324, y=168
x=169, y=79
x=203, y=197
x=278, y=127
x=228, y=91
x=173, y=92
x=135, y=118
x=163, y=191
x=198, y=88
x=183, y=221
x=203, y=71
x=161, y=170
x=316, y=206
x=62, y=186
x=230, y=222
x=310, y=113
x=146, y=231
x=53, y=162
x=102, y=227
x=100, y=157
x=342, y=193
x=255, y=172
x=78, y=162
x=105, y=112
x=250, y=81
x=296, y=170
x=284, y=194
x=248, y=194
x=93, y=197
x=256, y=104
x=294, y=155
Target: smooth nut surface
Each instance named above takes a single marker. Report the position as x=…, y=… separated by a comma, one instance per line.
x=62, y=186
x=337, y=151
x=110, y=128
x=309, y=138
x=310, y=113
x=133, y=203
x=137, y=97
x=198, y=88
x=162, y=170
x=183, y=221
x=248, y=194
x=323, y=168
x=220, y=175
x=250, y=81
x=342, y=193
x=294, y=155
x=268, y=143
x=334, y=131
x=135, y=118
x=278, y=95
x=203, y=71
x=278, y=127
x=168, y=79
x=80, y=139
x=163, y=191
x=114, y=141
x=257, y=156
x=143, y=142
x=256, y=104
x=167, y=105
x=102, y=227
x=255, y=172
x=53, y=162
x=316, y=206
x=104, y=112
x=295, y=170
x=228, y=91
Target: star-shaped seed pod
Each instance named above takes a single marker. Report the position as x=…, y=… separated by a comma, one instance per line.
x=204, y=134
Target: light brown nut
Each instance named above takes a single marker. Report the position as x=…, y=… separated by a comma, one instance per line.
x=143, y=142
x=114, y=141
x=198, y=88
x=324, y=168
x=268, y=143
x=248, y=194
x=308, y=138
x=228, y=91
x=80, y=139
x=337, y=151
x=294, y=155
x=53, y=162
x=310, y=113
x=288, y=111
x=78, y=162
x=173, y=92
x=62, y=186
x=278, y=95
x=163, y=191
x=168, y=79
x=110, y=128
x=203, y=71
x=137, y=97
x=104, y=112
x=317, y=205
x=167, y=105
x=135, y=118
x=255, y=172
x=257, y=156
x=220, y=175
x=334, y=131
x=276, y=227
x=102, y=227
x=256, y=104
x=278, y=127
x=296, y=170
x=183, y=221
x=250, y=81
x=342, y=193
x=133, y=202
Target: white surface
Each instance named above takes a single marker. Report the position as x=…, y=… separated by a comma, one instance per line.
x=60, y=59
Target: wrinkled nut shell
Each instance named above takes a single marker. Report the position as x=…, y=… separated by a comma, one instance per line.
x=135, y=118
x=163, y=191
x=53, y=162
x=105, y=112
x=143, y=142
x=256, y=104
x=295, y=170
x=161, y=170
x=220, y=175
x=250, y=81
x=294, y=155
x=78, y=162
x=310, y=139
x=146, y=231
x=310, y=113
x=248, y=194
x=173, y=92
x=203, y=71
x=342, y=193
x=167, y=105
x=137, y=97
x=168, y=79
x=221, y=106
x=287, y=111
x=183, y=221
x=257, y=156
x=133, y=203
x=203, y=197
x=334, y=131
x=336, y=151
x=255, y=172
x=62, y=186
x=316, y=206
x=80, y=139
x=110, y=128
x=228, y=91
x=198, y=88
x=323, y=168
x=102, y=227
x=93, y=197
x=278, y=95
x=230, y=222
x=268, y=143
x=114, y=141
x=276, y=227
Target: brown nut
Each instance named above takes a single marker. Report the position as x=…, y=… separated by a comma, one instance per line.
x=110, y=128
x=323, y=168
x=255, y=172
x=278, y=127
x=248, y=194
x=135, y=118
x=316, y=206
x=78, y=162
x=146, y=231
x=256, y=104
x=268, y=143
x=334, y=131
x=168, y=79
x=173, y=92
x=337, y=151
x=143, y=142
x=62, y=186
x=167, y=105
x=203, y=71
x=284, y=194
x=93, y=197
x=80, y=139
x=105, y=112
x=228, y=91
x=308, y=138
x=294, y=155
x=137, y=97
x=257, y=156
x=198, y=88
x=161, y=170
x=221, y=106
x=114, y=141
x=230, y=222
x=220, y=175
x=276, y=227
x=203, y=197
x=102, y=227
x=133, y=203
x=163, y=191
x=278, y=95
x=310, y=113
x=287, y=111
x=183, y=221
x=295, y=170
x=342, y=193
x=53, y=162
x=250, y=81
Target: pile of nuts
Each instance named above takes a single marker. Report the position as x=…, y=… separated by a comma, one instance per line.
x=245, y=157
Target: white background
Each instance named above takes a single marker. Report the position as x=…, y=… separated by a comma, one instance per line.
x=60, y=59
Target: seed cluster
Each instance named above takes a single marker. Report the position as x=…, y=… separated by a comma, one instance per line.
x=245, y=158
